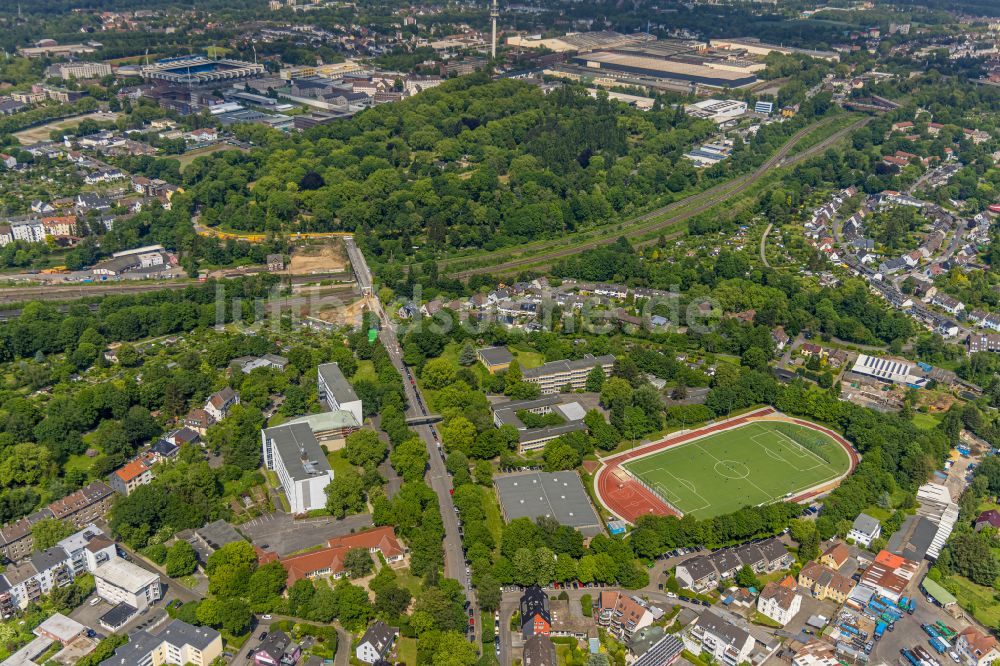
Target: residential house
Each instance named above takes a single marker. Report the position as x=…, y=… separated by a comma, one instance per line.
x=621, y=614
x=779, y=603
x=539, y=651
x=825, y=583
x=947, y=303
x=198, y=420
x=724, y=641
x=865, y=530
x=131, y=475
x=277, y=650
x=535, y=616
x=376, y=644
x=780, y=338
x=220, y=402
x=990, y=518
x=976, y=648
x=835, y=556
x=697, y=573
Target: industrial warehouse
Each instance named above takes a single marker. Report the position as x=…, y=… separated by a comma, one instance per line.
x=609, y=58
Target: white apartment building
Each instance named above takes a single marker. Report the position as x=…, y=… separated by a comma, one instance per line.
x=180, y=643
x=779, y=603
x=119, y=581
x=727, y=643
x=291, y=450
x=334, y=388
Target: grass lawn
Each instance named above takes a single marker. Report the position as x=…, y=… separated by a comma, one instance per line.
x=925, y=421
x=339, y=465
x=757, y=463
x=189, y=582
x=366, y=370
x=527, y=358
x=409, y=581
x=878, y=513
x=987, y=610
x=406, y=651
x=79, y=462
x=494, y=520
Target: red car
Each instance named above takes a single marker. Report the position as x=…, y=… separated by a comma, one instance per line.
x=451, y=491
x=472, y=621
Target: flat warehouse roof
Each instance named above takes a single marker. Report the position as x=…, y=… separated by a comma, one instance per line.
x=558, y=495
x=665, y=68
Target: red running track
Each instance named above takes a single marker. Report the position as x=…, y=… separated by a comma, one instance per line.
x=628, y=499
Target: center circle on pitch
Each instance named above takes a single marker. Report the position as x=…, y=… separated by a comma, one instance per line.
x=732, y=469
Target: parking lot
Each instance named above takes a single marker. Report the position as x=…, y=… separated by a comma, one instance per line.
x=907, y=633
x=280, y=533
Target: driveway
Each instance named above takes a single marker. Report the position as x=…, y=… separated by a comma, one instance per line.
x=280, y=533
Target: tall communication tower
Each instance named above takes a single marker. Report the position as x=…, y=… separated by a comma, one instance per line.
x=494, y=15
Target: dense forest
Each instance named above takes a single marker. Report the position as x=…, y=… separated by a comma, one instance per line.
x=470, y=164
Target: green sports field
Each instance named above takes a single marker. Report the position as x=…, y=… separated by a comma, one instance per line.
x=757, y=463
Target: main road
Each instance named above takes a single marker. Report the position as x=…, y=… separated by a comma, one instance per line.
x=437, y=476
x=671, y=214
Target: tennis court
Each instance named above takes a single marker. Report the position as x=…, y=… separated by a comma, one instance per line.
x=755, y=463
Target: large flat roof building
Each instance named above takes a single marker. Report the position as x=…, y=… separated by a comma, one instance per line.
x=530, y=439
x=552, y=377
x=119, y=581
x=687, y=70
x=558, y=495
x=338, y=393
x=291, y=450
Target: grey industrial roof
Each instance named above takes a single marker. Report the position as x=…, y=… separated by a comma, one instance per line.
x=299, y=451
x=507, y=411
x=913, y=538
x=566, y=365
x=496, y=355
x=546, y=432
x=337, y=383
x=219, y=533
x=559, y=495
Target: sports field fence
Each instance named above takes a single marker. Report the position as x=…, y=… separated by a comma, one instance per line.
x=652, y=490
x=810, y=440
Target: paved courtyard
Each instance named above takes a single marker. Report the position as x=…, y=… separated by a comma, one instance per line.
x=280, y=533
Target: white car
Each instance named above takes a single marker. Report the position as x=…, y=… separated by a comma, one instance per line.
x=671, y=595
x=954, y=656
x=95, y=601
x=265, y=617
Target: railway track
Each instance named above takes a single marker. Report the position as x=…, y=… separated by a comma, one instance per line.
x=654, y=221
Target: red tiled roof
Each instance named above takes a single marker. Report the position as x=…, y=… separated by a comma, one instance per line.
x=332, y=558
x=131, y=470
